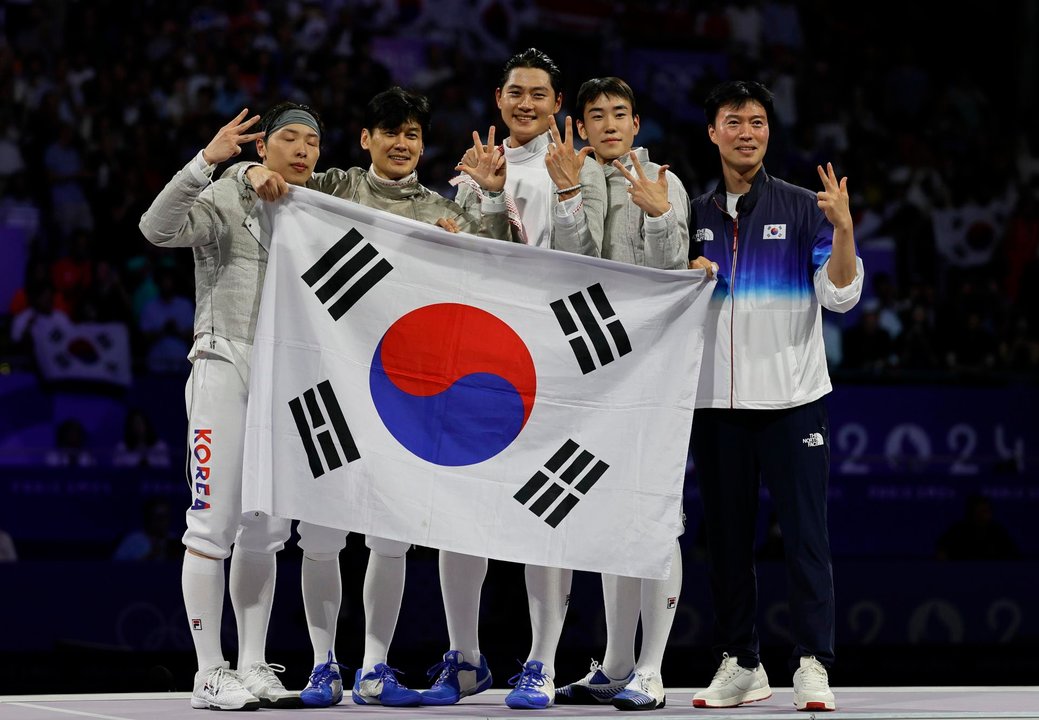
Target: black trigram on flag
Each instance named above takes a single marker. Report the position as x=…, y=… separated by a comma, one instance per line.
x=583, y=322
x=358, y=274
x=317, y=432
x=547, y=485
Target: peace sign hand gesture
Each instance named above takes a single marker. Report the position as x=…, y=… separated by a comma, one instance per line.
x=228, y=140
x=484, y=163
x=650, y=195
x=833, y=200
x=564, y=165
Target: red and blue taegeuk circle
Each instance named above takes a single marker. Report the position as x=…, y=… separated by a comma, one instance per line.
x=453, y=383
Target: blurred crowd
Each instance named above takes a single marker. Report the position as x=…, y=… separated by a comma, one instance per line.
x=105, y=101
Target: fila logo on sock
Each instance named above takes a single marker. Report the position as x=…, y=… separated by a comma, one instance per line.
x=813, y=440
x=581, y=468
x=196, y=624
x=671, y=602
x=358, y=274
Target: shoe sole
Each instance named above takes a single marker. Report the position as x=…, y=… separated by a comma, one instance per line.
x=358, y=700
x=816, y=705
x=749, y=698
x=582, y=696
x=524, y=704
x=320, y=703
x=432, y=700
x=631, y=705
x=286, y=703
x=205, y=705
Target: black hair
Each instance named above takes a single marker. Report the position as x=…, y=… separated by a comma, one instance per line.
x=391, y=108
x=270, y=117
x=534, y=58
x=737, y=93
x=611, y=86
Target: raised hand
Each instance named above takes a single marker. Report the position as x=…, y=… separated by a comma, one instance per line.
x=267, y=183
x=228, y=140
x=484, y=163
x=563, y=163
x=833, y=200
x=650, y=195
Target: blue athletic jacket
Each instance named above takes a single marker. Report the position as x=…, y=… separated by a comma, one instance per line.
x=763, y=342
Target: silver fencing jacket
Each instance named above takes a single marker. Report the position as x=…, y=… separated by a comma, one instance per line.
x=216, y=220
x=630, y=235
x=411, y=199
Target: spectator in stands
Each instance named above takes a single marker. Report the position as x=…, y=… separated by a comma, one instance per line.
x=868, y=346
x=37, y=274
x=70, y=447
x=918, y=344
x=156, y=540
x=66, y=171
x=168, y=322
x=40, y=309
x=7, y=549
x=72, y=274
x=977, y=535
x=108, y=299
x=140, y=446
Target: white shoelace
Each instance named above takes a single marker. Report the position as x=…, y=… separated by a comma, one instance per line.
x=727, y=670
x=266, y=671
x=813, y=676
x=222, y=678
x=643, y=679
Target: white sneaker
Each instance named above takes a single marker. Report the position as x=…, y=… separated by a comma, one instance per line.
x=812, y=686
x=734, y=685
x=644, y=692
x=594, y=688
x=260, y=680
x=219, y=688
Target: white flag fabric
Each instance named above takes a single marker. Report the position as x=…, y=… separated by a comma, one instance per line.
x=474, y=395
x=94, y=352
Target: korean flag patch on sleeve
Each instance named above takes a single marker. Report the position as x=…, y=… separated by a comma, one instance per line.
x=774, y=232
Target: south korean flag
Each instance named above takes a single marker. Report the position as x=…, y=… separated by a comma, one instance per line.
x=480, y=396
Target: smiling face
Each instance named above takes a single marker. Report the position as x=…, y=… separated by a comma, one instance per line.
x=528, y=103
x=395, y=151
x=741, y=134
x=609, y=126
x=293, y=151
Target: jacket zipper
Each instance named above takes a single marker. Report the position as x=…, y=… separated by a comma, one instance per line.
x=732, y=313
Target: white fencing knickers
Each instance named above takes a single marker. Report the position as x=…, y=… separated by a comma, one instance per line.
x=216, y=397
x=324, y=543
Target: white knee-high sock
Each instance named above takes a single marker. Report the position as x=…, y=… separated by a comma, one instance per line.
x=622, y=598
x=202, y=582
x=659, y=600
x=322, y=598
x=252, y=594
x=548, y=593
x=383, y=590
x=461, y=581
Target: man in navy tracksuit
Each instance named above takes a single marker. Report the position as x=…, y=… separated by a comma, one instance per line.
x=780, y=252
